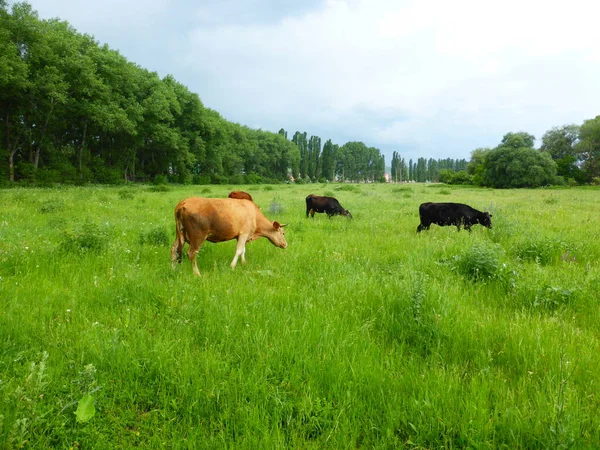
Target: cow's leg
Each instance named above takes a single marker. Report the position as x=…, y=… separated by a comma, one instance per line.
x=240, y=250
x=312, y=213
x=176, y=251
x=419, y=228
x=195, y=244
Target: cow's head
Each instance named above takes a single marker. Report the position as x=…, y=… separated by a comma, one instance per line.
x=485, y=219
x=346, y=213
x=277, y=235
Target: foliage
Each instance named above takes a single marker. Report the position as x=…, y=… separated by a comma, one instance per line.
x=449, y=176
x=84, y=238
x=542, y=250
x=588, y=147
x=479, y=262
x=560, y=143
x=517, y=167
x=156, y=236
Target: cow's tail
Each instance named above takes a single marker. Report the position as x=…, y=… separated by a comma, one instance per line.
x=180, y=239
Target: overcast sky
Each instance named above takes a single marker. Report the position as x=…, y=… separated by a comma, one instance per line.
x=431, y=78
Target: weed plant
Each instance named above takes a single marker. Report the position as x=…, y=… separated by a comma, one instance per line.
x=362, y=333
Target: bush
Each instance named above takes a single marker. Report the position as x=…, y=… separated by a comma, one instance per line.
x=156, y=236
x=52, y=206
x=302, y=180
x=88, y=237
x=125, y=194
x=542, y=250
x=480, y=262
x=200, y=179
x=252, y=178
x=159, y=188
x=160, y=180
x=219, y=179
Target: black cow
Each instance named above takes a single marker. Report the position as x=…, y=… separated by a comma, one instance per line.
x=329, y=205
x=458, y=214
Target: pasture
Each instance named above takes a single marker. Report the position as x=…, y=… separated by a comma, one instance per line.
x=360, y=334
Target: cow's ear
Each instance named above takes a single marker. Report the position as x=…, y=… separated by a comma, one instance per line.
x=276, y=225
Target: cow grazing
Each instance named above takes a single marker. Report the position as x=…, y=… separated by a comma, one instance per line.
x=241, y=195
x=217, y=220
x=329, y=205
x=458, y=214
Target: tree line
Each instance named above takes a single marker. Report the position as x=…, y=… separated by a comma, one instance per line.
x=568, y=155
x=423, y=169
x=74, y=111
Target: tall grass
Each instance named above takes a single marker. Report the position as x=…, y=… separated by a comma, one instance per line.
x=362, y=333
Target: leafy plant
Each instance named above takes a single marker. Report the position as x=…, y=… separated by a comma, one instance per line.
x=88, y=237
x=156, y=236
x=480, y=262
x=542, y=250
x=125, y=194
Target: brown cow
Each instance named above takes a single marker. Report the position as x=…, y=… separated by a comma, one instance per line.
x=241, y=195
x=217, y=220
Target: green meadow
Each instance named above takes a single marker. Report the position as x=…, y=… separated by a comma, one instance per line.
x=361, y=334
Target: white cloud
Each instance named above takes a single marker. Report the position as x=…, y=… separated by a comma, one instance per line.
x=428, y=78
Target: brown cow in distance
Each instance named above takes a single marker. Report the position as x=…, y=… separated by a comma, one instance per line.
x=241, y=195
x=218, y=220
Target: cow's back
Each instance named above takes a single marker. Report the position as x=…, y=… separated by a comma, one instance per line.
x=220, y=219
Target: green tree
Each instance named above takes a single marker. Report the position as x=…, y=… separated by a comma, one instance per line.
x=328, y=161
x=517, y=140
x=560, y=143
x=510, y=167
x=589, y=148
x=476, y=166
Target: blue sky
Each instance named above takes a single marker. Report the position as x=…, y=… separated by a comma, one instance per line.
x=425, y=78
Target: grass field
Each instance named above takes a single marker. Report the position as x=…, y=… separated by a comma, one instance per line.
x=362, y=333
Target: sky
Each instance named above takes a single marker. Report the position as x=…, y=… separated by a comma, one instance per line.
x=425, y=78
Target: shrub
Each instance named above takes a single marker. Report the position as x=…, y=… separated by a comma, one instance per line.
x=88, y=237
x=480, y=262
x=552, y=298
x=252, y=178
x=200, y=179
x=268, y=188
x=125, y=194
x=160, y=180
x=156, y=236
x=219, y=179
x=411, y=318
x=542, y=250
